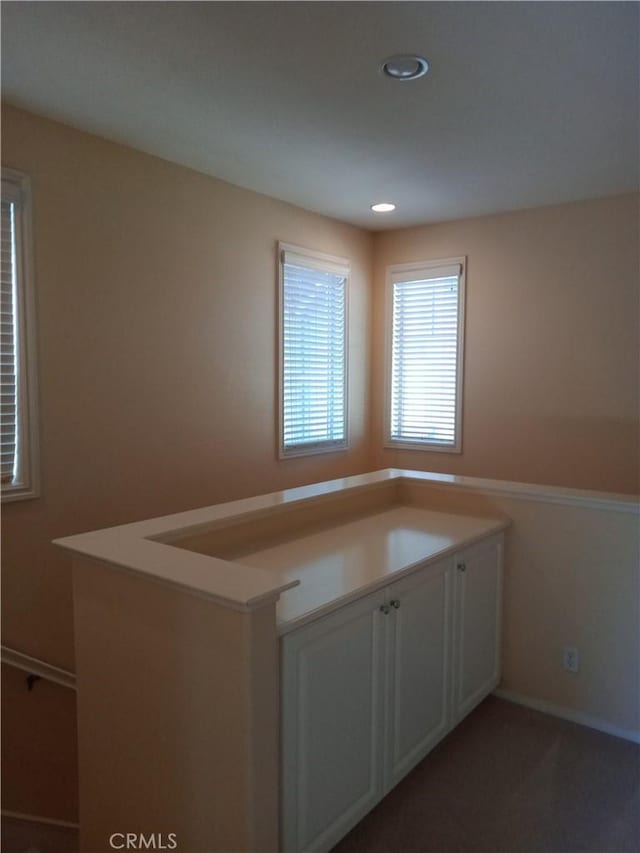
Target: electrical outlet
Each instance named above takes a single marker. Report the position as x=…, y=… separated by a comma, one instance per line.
x=570, y=658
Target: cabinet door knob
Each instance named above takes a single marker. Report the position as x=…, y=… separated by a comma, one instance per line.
x=395, y=603
x=462, y=567
x=384, y=608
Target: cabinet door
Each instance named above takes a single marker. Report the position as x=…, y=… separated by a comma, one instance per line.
x=418, y=667
x=478, y=609
x=332, y=705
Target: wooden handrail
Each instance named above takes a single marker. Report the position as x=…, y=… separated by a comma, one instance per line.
x=37, y=668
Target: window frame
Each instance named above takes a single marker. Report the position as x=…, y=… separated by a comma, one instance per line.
x=322, y=262
x=409, y=272
x=16, y=187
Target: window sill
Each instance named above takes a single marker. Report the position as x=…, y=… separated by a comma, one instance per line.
x=19, y=493
x=429, y=447
x=311, y=451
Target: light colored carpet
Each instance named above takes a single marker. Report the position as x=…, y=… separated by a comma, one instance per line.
x=511, y=780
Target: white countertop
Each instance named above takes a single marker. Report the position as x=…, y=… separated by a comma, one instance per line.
x=144, y=548
x=352, y=559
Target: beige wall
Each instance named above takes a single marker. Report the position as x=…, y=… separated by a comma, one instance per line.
x=156, y=307
x=197, y=675
x=551, y=361
x=156, y=301
x=572, y=578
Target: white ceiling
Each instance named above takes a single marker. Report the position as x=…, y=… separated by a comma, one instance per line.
x=526, y=104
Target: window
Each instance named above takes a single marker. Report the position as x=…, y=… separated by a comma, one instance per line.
x=313, y=337
x=17, y=344
x=425, y=324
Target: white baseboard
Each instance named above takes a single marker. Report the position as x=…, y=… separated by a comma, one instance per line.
x=67, y=824
x=566, y=714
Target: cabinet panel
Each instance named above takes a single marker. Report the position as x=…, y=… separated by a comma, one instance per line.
x=332, y=712
x=478, y=623
x=418, y=665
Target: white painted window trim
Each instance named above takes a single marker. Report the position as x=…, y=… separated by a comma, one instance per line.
x=330, y=263
x=400, y=272
x=17, y=187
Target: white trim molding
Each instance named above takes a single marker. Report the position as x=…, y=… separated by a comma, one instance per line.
x=566, y=714
x=399, y=274
x=16, y=188
x=588, y=499
x=310, y=259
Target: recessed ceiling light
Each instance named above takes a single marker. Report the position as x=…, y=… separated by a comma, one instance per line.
x=383, y=207
x=405, y=67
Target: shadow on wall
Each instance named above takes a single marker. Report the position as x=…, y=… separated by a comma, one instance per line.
x=21, y=836
x=39, y=752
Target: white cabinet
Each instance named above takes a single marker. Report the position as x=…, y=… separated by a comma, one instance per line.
x=368, y=690
x=477, y=624
x=418, y=667
x=332, y=707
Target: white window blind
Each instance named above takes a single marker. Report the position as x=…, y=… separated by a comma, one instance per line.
x=426, y=356
x=313, y=353
x=17, y=344
x=8, y=359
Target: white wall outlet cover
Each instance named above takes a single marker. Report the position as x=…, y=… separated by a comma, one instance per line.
x=570, y=658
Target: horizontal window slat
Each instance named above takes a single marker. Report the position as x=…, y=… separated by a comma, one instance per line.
x=421, y=416
x=317, y=432
x=426, y=428
x=427, y=432
x=311, y=423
